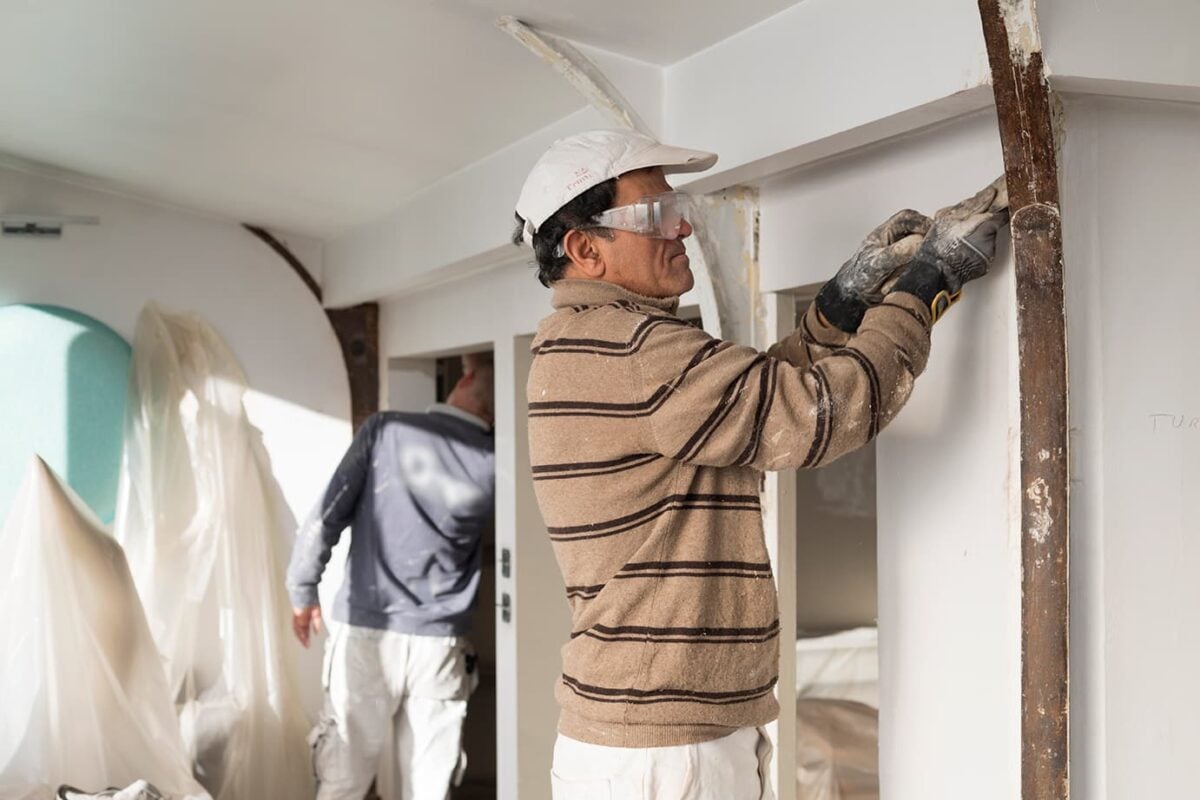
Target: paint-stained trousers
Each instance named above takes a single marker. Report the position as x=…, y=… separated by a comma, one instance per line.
x=379, y=681
x=735, y=767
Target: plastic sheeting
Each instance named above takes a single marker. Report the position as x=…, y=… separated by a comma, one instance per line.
x=198, y=518
x=85, y=700
x=843, y=666
x=837, y=750
x=142, y=790
x=837, y=724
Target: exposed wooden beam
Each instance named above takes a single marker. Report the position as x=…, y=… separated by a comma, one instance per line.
x=1024, y=107
x=357, y=329
x=287, y=255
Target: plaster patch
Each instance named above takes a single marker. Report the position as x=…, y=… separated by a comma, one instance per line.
x=1039, y=493
x=1020, y=20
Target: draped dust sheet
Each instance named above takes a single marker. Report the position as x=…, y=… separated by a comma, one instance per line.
x=199, y=518
x=85, y=700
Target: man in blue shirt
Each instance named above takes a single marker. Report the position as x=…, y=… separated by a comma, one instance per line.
x=418, y=491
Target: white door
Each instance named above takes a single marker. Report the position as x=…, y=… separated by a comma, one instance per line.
x=532, y=616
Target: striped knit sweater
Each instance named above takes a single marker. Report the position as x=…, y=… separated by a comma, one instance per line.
x=648, y=439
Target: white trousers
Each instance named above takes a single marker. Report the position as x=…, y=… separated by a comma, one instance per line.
x=414, y=687
x=734, y=767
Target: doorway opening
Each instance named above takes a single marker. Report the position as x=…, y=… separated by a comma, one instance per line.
x=837, y=656
x=413, y=385
x=479, y=732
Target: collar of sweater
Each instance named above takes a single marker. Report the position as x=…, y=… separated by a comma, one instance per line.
x=579, y=292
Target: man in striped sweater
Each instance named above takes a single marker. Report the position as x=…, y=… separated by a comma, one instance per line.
x=649, y=437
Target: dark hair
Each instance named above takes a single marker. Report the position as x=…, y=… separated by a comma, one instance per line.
x=578, y=213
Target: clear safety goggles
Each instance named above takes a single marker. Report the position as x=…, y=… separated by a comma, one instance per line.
x=660, y=216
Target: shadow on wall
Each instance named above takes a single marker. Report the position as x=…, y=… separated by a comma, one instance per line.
x=65, y=386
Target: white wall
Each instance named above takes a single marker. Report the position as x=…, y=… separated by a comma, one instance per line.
x=1140, y=48
x=467, y=313
x=457, y=226
x=299, y=395
x=411, y=383
x=816, y=70
x=949, y=570
x=1130, y=172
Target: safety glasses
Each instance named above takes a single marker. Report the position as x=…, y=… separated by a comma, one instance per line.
x=660, y=216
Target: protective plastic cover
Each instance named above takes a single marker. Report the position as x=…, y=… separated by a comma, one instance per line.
x=85, y=700
x=837, y=750
x=843, y=666
x=198, y=517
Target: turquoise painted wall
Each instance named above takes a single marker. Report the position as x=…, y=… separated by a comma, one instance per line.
x=63, y=382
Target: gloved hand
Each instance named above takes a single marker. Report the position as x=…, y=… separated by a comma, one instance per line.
x=857, y=285
x=962, y=241
x=885, y=250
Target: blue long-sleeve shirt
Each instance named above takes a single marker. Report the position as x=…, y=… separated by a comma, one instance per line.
x=418, y=490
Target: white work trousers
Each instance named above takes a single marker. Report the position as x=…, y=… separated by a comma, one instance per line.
x=734, y=767
x=376, y=681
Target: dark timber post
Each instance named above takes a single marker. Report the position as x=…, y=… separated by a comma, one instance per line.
x=357, y=329
x=1023, y=106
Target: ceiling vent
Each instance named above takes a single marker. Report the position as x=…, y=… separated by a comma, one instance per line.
x=40, y=226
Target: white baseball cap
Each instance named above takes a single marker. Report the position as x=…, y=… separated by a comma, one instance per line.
x=577, y=163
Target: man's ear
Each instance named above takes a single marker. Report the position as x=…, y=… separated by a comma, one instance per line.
x=581, y=249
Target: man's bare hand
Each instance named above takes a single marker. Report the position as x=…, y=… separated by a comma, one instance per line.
x=306, y=621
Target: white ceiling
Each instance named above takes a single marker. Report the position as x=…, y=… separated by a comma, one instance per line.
x=656, y=31
x=303, y=115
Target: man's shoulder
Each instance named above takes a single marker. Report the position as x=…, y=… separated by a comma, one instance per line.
x=430, y=421
x=616, y=328
x=390, y=418
x=398, y=425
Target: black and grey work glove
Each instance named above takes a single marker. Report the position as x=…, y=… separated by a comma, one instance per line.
x=962, y=241
x=959, y=247
x=858, y=284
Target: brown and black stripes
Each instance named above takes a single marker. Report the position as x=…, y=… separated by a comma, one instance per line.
x=584, y=592
x=588, y=469
x=647, y=633
x=609, y=694
x=694, y=569
x=606, y=347
x=650, y=570
x=674, y=502
x=642, y=408
x=873, y=379
x=712, y=422
x=768, y=377
x=824, y=426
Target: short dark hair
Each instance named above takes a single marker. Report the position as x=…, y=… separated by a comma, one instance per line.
x=578, y=213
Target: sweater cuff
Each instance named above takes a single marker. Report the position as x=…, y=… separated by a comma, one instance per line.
x=840, y=309
x=922, y=279
x=303, y=596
